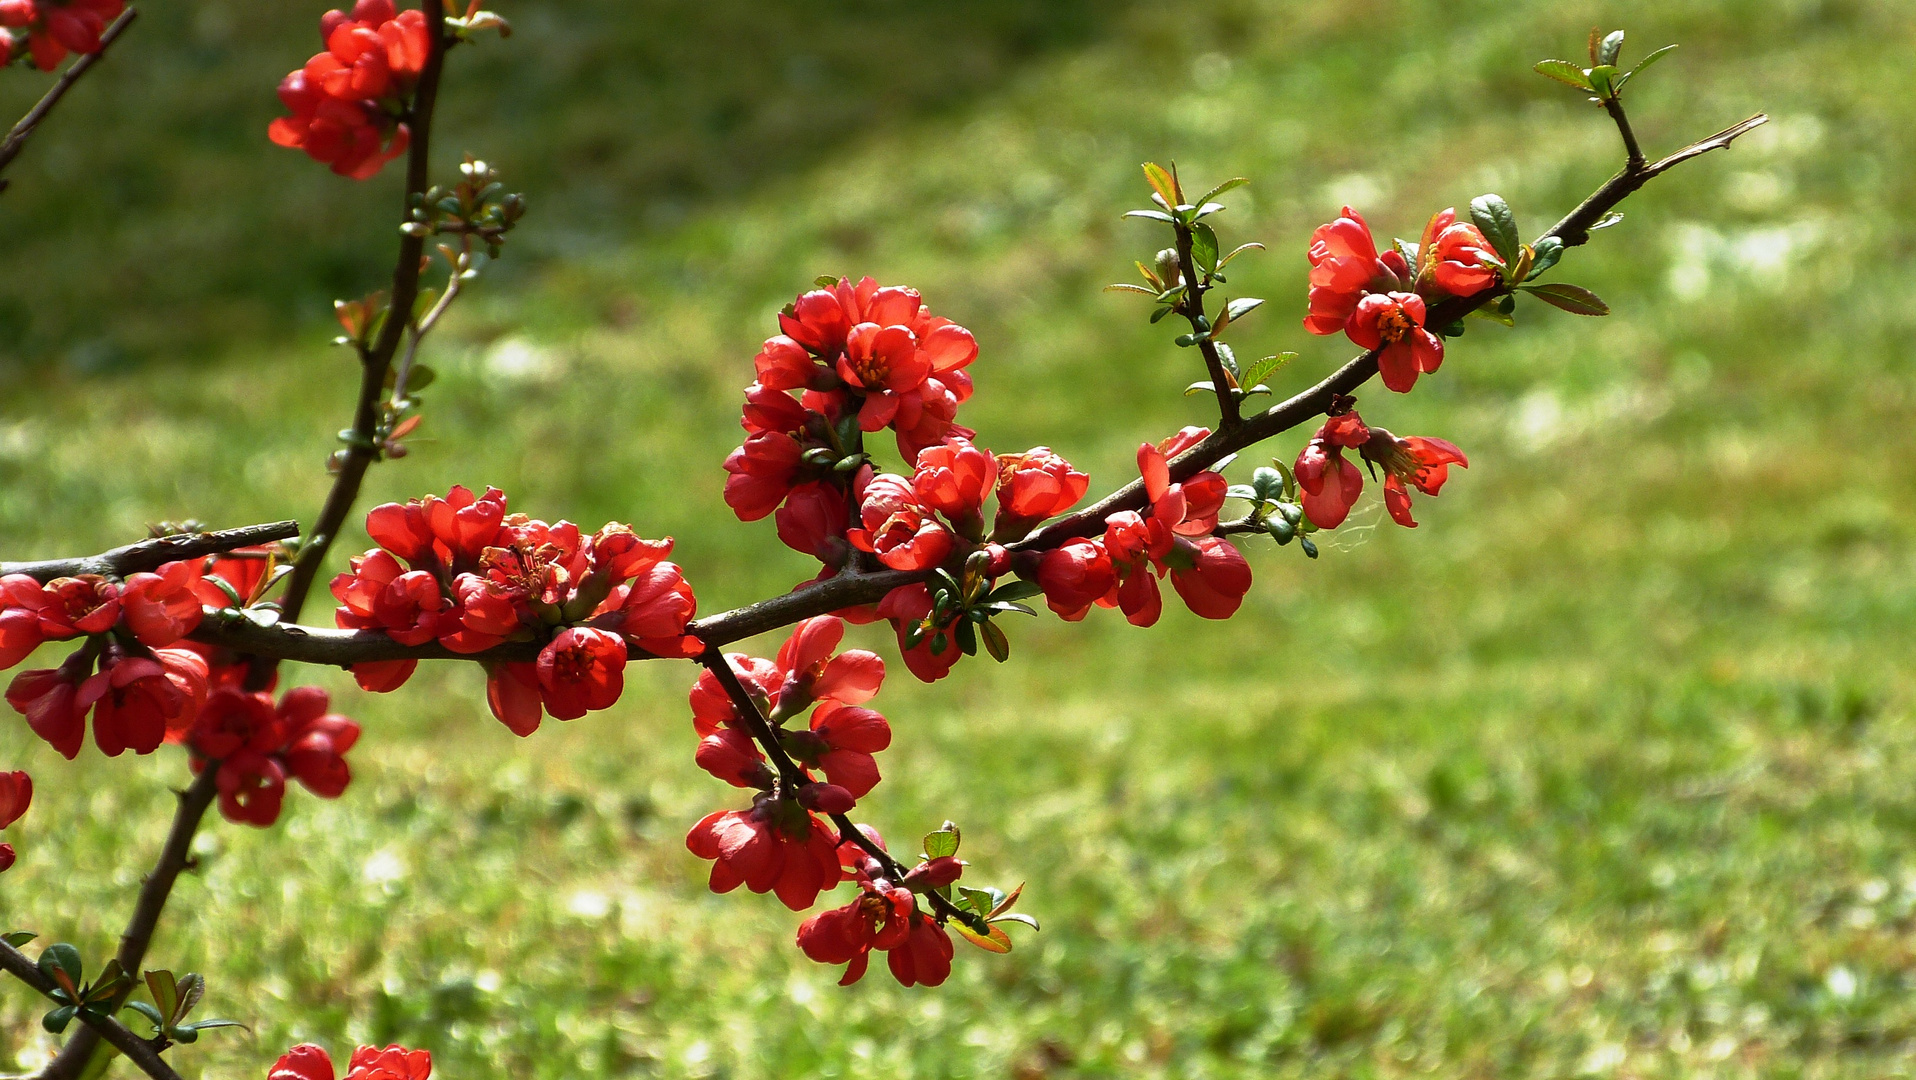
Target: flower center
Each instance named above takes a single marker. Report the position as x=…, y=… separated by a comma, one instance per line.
x=872, y=370
x=1394, y=325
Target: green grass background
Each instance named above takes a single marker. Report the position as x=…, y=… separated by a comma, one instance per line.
x=1605, y=770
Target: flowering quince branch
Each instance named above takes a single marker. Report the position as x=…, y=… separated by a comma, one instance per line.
x=179, y=642
x=144, y=1054
x=52, y=33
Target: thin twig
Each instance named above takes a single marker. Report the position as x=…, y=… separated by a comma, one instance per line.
x=22, y=131
x=155, y=553
x=139, y=1051
x=377, y=361
x=1633, y=155
x=1230, y=414
x=175, y=857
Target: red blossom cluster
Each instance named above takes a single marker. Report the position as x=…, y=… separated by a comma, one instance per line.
x=885, y=916
x=147, y=687
x=46, y=30
x=462, y=571
x=863, y=358
x=1378, y=301
x=348, y=101
x=16, y=794
x=1330, y=483
x=309, y=1062
x=1122, y=568
x=256, y=746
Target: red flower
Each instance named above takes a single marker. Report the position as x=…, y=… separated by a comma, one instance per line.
x=775, y=846
x=1033, y=486
x=243, y=569
x=1215, y=583
x=317, y=741
x=19, y=624
x=1454, y=252
x=954, y=478
x=252, y=788
x=883, y=361
x=464, y=525
x=732, y=756
x=395, y=1062
x=762, y=473
x=16, y=794
x=1394, y=324
x=809, y=672
x=1189, y=508
x=341, y=99
x=512, y=690
x=784, y=364
x=309, y=1062
x=1422, y=463
x=50, y=700
x=581, y=670
x=1076, y=575
x=233, y=720
x=814, y=520
x=56, y=26
x=353, y=137
x=140, y=700
x=1135, y=544
x=1331, y=484
x=479, y=619
x=712, y=707
x=768, y=409
x=383, y=676
x=1345, y=266
x=879, y=919
x=651, y=612
x=925, y=956
x=899, y=528
x=69, y=607
x=906, y=607
x=162, y=608
x=841, y=742
x=7, y=857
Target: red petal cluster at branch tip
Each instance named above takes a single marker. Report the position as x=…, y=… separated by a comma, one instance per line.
x=1454, y=252
x=474, y=576
x=1375, y=298
x=309, y=1062
x=1331, y=483
x=1033, y=486
x=49, y=29
x=898, y=528
x=346, y=100
x=884, y=917
x=1393, y=324
x=256, y=746
x=776, y=846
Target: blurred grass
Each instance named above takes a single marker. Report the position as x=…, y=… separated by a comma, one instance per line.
x=1606, y=770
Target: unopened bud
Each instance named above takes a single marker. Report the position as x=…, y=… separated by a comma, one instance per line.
x=935, y=874
x=826, y=799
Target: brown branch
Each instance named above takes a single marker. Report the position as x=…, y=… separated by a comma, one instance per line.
x=141, y=1052
x=175, y=857
x=155, y=553
x=16, y=139
x=1230, y=413
x=377, y=361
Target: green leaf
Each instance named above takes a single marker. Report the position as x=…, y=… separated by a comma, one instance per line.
x=209, y=1025
x=192, y=988
x=1228, y=185
x=1228, y=357
x=1612, y=46
x=1015, y=590
x=1264, y=368
x=149, y=1012
x=419, y=378
x=1242, y=306
x=967, y=637
x=1161, y=182
x=18, y=938
x=995, y=643
x=1494, y=315
x=1571, y=298
x=57, y=1020
x=1267, y=483
x=1153, y=215
x=1651, y=59
x=943, y=843
x=1204, y=247
x=1549, y=252
x=1564, y=72
x=166, y=994
x=825, y=281
x=1236, y=251
x=1493, y=217
x=63, y=965
x=111, y=981
x=993, y=940
x=1125, y=286
x=1607, y=220
x=1204, y=387
x=1018, y=918
x=1601, y=78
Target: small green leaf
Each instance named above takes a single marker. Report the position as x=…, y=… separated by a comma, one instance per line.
x=149, y=1012
x=1027, y=920
x=1600, y=80
x=825, y=281
x=1612, y=46
x=1607, y=220
x=1204, y=247
x=993, y=940
x=1264, y=368
x=57, y=1020
x=1493, y=314
x=1162, y=183
x=18, y=938
x=166, y=994
x=419, y=378
x=1015, y=590
x=1310, y=548
x=1185, y=341
x=1125, y=286
x=1549, y=252
x=967, y=637
x=62, y=964
x=1651, y=59
x=1236, y=251
x=209, y=1025
x=1204, y=387
x=1227, y=356
x=1493, y=217
x=1242, y=306
x=1152, y=215
x=995, y=643
x=1571, y=298
x=1160, y=314
x=192, y=988
x=1228, y=185
x=1564, y=72
x=943, y=843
